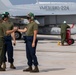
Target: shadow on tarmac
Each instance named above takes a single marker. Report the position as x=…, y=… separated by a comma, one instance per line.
x=54, y=69
x=20, y=67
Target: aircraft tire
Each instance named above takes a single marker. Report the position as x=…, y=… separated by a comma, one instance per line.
x=18, y=35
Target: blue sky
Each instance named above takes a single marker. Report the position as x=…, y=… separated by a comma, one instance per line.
x=34, y=1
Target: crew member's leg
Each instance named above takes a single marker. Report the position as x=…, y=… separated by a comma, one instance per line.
x=9, y=50
x=29, y=59
x=10, y=54
x=1, y=53
x=33, y=54
x=63, y=38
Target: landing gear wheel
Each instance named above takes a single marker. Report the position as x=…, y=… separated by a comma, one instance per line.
x=18, y=35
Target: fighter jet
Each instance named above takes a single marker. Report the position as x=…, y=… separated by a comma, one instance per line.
x=48, y=14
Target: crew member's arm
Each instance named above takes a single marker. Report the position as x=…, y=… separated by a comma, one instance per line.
x=13, y=37
x=68, y=26
x=35, y=35
x=22, y=30
x=34, y=38
x=72, y=26
x=11, y=31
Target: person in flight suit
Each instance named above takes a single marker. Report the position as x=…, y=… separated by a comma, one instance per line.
x=31, y=42
x=8, y=41
x=63, y=27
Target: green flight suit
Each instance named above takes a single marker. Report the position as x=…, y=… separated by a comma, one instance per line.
x=2, y=33
x=64, y=27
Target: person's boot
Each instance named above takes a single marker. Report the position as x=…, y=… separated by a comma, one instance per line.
x=36, y=69
x=28, y=69
x=1, y=69
x=12, y=66
x=4, y=65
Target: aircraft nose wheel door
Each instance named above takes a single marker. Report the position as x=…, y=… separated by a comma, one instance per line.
x=17, y=35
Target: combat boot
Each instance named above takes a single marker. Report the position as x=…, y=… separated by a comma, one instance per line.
x=12, y=66
x=4, y=65
x=36, y=69
x=28, y=69
x=1, y=69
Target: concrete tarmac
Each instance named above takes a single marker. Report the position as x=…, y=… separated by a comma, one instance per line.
x=53, y=59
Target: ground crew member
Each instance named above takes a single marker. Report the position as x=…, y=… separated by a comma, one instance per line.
x=64, y=27
x=2, y=32
x=8, y=41
x=31, y=41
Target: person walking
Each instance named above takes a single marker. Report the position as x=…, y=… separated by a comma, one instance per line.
x=31, y=42
x=8, y=41
x=63, y=27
